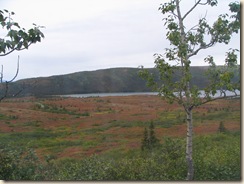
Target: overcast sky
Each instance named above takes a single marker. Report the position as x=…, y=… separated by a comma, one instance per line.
x=85, y=35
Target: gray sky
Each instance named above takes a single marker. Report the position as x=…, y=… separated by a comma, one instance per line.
x=85, y=35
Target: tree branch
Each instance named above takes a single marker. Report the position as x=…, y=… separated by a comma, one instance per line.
x=187, y=13
x=7, y=83
x=204, y=3
x=5, y=54
x=217, y=98
x=200, y=48
x=16, y=72
x=193, y=28
x=174, y=14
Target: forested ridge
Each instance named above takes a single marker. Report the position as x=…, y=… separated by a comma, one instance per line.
x=99, y=81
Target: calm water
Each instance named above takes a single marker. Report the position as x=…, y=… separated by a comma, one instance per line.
x=228, y=93
x=108, y=94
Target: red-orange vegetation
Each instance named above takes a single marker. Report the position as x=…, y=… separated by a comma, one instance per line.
x=106, y=123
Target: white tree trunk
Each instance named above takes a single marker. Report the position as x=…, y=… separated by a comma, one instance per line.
x=190, y=171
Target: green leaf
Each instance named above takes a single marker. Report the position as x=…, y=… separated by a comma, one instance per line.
x=212, y=2
x=17, y=37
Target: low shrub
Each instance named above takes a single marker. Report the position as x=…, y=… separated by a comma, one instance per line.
x=20, y=165
x=216, y=157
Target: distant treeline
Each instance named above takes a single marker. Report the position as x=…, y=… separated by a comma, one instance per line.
x=99, y=81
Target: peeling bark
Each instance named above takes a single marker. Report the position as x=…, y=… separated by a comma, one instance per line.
x=190, y=168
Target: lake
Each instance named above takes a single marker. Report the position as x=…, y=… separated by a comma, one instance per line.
x=108, y=94
x=228, y=93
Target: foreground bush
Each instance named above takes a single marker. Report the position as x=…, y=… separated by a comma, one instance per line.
x=217, y=157
x=20, y=165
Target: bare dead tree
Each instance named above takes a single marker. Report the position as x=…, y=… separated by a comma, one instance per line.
x=1, y=77
x=5, y=84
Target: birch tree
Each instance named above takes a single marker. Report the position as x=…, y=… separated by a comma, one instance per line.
x=187, y=42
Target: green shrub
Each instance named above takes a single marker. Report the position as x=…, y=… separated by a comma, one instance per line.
x=6, y=166
x=91, y=168
x=221, y=127
x=20, y=165
x=216, y=157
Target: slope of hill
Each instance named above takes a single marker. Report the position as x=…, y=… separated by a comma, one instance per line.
x=99, y=81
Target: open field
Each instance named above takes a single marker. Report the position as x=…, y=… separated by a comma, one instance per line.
x=78, y=127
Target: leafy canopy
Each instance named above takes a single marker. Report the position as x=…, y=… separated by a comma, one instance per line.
x=16, y=38
x=187, y=42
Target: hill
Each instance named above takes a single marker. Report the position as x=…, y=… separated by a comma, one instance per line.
x=99, y=81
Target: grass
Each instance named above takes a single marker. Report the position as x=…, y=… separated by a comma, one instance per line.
x=67, y=133
x=218, y=115
x=8, y=117
x=118, y=126
x=33, y=123
x=89, y=144
x=58, y=110
x=216, y=157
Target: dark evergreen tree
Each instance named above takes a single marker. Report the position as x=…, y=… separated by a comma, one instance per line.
x=153, y=141
x=145, y=141
x=149, y=140
x=221, y=127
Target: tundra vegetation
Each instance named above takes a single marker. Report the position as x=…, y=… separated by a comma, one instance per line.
x=101, y=138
